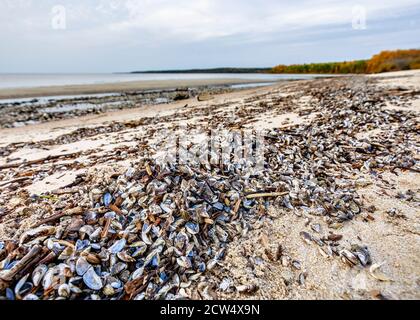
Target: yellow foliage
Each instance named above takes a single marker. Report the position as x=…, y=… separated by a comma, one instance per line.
x=382, y=62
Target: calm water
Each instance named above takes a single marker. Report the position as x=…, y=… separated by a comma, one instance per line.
x=8, y=81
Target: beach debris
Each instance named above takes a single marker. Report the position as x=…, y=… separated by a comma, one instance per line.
x=248, y=289
x=181, y=96
x=377, y=274
x=378, y=295
x=225, y=284
x=302, y=278
x=395, y=213
x=288, y=277
x=204, y=97
x=362, y=253
x=154, y=230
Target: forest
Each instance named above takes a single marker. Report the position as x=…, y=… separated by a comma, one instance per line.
x=385, y=61
x=213, y=70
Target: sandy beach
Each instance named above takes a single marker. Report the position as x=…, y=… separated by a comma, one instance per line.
x=53, y=166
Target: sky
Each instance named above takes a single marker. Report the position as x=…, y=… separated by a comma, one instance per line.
x=95, y=36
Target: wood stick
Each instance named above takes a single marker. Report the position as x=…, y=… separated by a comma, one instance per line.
x=14, y=180
x=134, y=287
x=237, y=206
x=106, y=228
x=8, y=275
x=48, y=258
x=266, y=195
x=43, y=254
x=131, y=286
x=70, y=212
x=28, y=163
x=117, y=210
x=409, y=169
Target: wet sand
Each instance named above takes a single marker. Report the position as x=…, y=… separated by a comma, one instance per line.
x=109, y=148
x=117, y=87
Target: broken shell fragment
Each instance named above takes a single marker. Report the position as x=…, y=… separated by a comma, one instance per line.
x=377, y=274
x=92, y=280
x=250, y=288
x=82, y=266
x=117, y=246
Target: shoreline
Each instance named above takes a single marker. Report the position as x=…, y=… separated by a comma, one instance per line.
x=54, y=128
x=29, y=111
x=121, y=87
x=143, y=85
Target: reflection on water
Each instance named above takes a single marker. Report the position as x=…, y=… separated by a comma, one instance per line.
x=81, y=106
x=8, y=81
x=251, y=85
x=46, y=100
x=40, y=101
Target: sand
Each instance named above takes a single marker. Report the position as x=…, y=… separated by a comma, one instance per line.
x=392, y=241
x=395, y=241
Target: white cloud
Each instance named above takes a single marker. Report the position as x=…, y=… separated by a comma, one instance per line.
x=117, y=29
x=190, y=20
x=202, y=19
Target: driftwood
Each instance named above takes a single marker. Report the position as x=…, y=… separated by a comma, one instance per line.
x=117, y=210
x=62, y=191
x=266, y=195
x=409, y=169
x=204, y=97
x=55, y=217
x=104, y=233
x=48, y=258
x=237, y=206
x=131, y=286
x=28, y=163
x=134, y=287
x=8, y=275
x=34, y=262
x=2, y=184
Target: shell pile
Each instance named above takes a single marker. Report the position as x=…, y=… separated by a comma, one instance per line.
x=153, y=231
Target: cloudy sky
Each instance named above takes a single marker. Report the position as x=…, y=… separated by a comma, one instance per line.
x=125, y=35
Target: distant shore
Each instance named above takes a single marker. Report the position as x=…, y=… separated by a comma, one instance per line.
x=16, y=93
x=213, y=70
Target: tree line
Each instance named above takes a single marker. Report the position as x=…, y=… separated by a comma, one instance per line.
x=383, y=62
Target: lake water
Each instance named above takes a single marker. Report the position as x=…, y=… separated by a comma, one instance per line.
x=9, y=81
